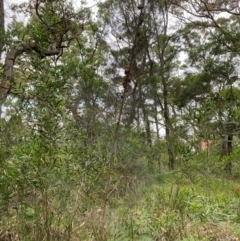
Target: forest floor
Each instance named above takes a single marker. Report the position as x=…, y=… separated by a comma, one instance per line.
x=186, y=204
x=191, y=203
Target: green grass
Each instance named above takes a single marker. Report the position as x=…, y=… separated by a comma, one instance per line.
x=188, y=204
x=180, y=207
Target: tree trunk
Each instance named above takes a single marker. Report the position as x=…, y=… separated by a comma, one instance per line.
x=132, y=115
x=168, y=124
x=226, y=151
x=171, y=159
x=156, y=118
x=148, y=137
x=2, y=31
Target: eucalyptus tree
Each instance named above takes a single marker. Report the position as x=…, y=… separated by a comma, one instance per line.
x=127, y=42
x=218, y=22
x=163, y=51
x=51, y=27
x=126, y=29
x=205, y=13
x=211, y=69
x=152, y=68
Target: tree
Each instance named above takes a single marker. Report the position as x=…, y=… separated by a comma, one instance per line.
x=152, y=67
x=163, y=53
x=1, y=26
x=52, y=27
x=210, y=70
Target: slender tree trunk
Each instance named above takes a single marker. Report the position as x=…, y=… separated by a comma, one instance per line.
x=147, y=127
x=164, y=70
x=148, y=136
x=1, y=26
x=2, y=31
x=156, y=118
x=167, y=120
x=226, y=151
x=133, y=107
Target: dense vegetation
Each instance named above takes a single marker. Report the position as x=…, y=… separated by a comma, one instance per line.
x=120, y=121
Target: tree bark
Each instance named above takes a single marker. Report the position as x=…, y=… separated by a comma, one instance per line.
x=156, y=118
x=164, y=73
x=147, y=128
x=2, y=30
x=8, y=76
x=226, y=151
x=168, y=124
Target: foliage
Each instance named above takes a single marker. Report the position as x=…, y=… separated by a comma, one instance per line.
x=103, y=117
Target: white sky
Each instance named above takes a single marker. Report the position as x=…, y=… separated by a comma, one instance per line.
x=9, y=14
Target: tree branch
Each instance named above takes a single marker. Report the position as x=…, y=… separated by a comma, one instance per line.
x=10, y=59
